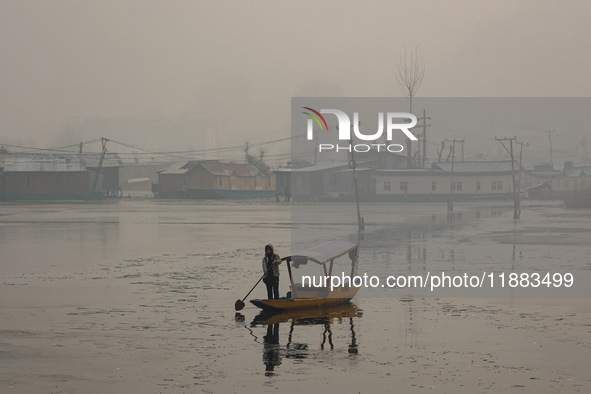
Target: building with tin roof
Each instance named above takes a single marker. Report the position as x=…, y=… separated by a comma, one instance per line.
x=212, y=179
x=53, y=176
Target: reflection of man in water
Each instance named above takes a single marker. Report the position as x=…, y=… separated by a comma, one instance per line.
x=271, y=356
x=271, y=272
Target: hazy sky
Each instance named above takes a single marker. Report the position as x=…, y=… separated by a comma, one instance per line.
x=240, y=62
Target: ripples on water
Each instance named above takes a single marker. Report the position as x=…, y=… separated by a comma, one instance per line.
x=140, y=295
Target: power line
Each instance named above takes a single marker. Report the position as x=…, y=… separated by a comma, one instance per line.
x=188, y=154
x=210, y=150
x=450, y=202
x=56, y=149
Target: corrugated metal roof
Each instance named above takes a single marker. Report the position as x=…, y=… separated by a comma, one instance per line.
x=227, y=169
x=292, y=165
x=357, y=169
x=21, y=164
x=84, y=160
x=545, y=173
x=216, y=168
x=477, y=166
x=577, y=171
x=323, y=166
x=413, y=172
x=92, y=159
x=176, y=169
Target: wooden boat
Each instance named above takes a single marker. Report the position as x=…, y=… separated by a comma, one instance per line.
x=308, y=316
x=310, y=297
x=283, y=304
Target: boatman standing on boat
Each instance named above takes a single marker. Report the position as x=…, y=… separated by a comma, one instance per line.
x=271, y=272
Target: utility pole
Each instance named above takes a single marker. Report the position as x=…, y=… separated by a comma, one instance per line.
x=80, y=150
x=516, y=202
x=360, y=221
x=315, y=149
x=450, y=201
x=550, y=131
x=353, y=165
x=462, y=142
x=98, y=170
x=418, y=154
x=520, y=166
x=423, y=140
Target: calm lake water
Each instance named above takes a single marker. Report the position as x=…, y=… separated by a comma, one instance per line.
x=138, y=296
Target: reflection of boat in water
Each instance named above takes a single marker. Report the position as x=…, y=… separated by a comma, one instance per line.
x=318, y=293
x=273, y=352
x=308, y=316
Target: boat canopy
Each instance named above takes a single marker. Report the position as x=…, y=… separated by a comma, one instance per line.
x=323, y=253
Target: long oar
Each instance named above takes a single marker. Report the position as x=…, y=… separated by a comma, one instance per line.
x=239, y=305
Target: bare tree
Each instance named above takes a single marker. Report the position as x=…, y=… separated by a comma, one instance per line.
x=411, y=70
x=449, y=154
